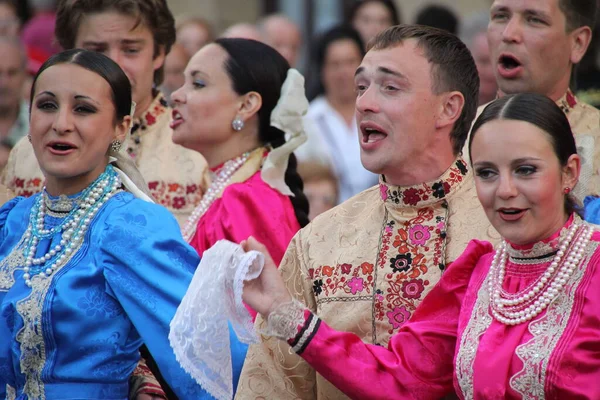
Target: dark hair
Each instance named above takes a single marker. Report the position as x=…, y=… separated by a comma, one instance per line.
x=101, y=65
x=340, y=32
x=453, y=68
x=389, y=4
x=254, y=66
x=542, y=112
x=579, y=13
x=438, y=17
x=153, y=13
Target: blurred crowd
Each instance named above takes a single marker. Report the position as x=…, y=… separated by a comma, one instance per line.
x=330, y=160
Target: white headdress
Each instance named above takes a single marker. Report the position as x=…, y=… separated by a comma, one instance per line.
x=287, y=116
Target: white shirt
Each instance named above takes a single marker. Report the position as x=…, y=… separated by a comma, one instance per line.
x=329, y=133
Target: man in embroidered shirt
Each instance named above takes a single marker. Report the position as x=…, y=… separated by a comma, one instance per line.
x=137, y=34
x=534, y=48
x=365, y=265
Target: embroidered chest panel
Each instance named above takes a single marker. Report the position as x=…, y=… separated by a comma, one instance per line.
x=176, y=196
x=395, y=268
x=409, y=261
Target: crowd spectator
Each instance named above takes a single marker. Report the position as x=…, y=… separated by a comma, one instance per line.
x=281, y=33
x=193, y=33
x=369, y=17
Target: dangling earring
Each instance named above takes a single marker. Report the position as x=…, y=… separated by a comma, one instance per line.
x=115, y=146
x=567, y=190
x=29, y=137
x=237, y=124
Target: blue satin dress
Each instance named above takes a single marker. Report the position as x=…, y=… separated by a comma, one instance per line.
x=77, y=335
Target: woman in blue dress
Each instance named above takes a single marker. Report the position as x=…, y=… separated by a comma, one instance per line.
x=88, y=270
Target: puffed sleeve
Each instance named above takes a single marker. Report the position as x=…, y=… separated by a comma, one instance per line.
x=418, y=362
x=4, y=211
x=5, y=357
x=271, y=370
x=251, y=208
x=148, y=268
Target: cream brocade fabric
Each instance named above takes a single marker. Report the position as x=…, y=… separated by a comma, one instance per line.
x=5, y=195
x=585, y=124
x=364, y=267
x=177, y=177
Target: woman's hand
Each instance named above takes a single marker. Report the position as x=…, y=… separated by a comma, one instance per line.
x=265, y=293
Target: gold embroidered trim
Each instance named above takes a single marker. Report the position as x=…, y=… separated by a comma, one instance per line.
x=31, y=336
x=546, y=331
x=479, y=322
x=11, y=393
x=541, y=249
x=9, y=265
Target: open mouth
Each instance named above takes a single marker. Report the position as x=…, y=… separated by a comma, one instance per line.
x=61, y=147
x=511, y=214
x=371, y=135
x=509, y=62
x=177, y=119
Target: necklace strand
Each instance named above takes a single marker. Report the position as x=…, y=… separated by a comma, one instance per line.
x=514, y=309
x=216, y=187
x=72, y=228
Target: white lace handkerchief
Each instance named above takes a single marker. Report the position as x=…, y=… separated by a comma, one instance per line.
x=199, y=332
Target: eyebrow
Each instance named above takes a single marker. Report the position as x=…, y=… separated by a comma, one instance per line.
x=124, y=41
x=383, y=70
x=76, y=97
x=513, y=162
x=528, y=11
x=82, y=97
x=197, y=72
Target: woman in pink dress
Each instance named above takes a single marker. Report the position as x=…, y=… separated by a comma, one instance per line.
x=518, y=322
x=224, y=111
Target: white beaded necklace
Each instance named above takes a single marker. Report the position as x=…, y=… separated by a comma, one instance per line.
x=73, y=227
x=219, y=183
x=514, y=309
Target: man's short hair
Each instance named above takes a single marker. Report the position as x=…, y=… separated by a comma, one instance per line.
x=154, y=13
x=579, y=13
x=452, y=68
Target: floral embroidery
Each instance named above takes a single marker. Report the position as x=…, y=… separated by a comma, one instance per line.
x=440, y=189
x=191, y=189
x=398, y=316
x=27, y=187
x=367, y=268
x=178, y=202
x=412, y=289
x=318, y=286
x=356, y=285
x=157, y=108
x=401, y=263
x=411, y=196
x=426, y=192
x=383, y=190
x=416, y=245
x=344, y=279
x=346, y=268
x=175, y=196
x=419, y=235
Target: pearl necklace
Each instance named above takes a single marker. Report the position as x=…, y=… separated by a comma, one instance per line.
x=514, y=309
x=218, y=184
x=73, y=227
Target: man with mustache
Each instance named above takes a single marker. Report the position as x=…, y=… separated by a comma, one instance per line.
x=535, y=45
x=365, y=265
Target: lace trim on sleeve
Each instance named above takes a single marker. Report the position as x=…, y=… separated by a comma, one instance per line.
x=284, y=321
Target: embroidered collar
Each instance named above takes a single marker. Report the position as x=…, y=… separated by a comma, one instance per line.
x=140, y=125
x=543, y=248
x=425, y=194
x=567, y=102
